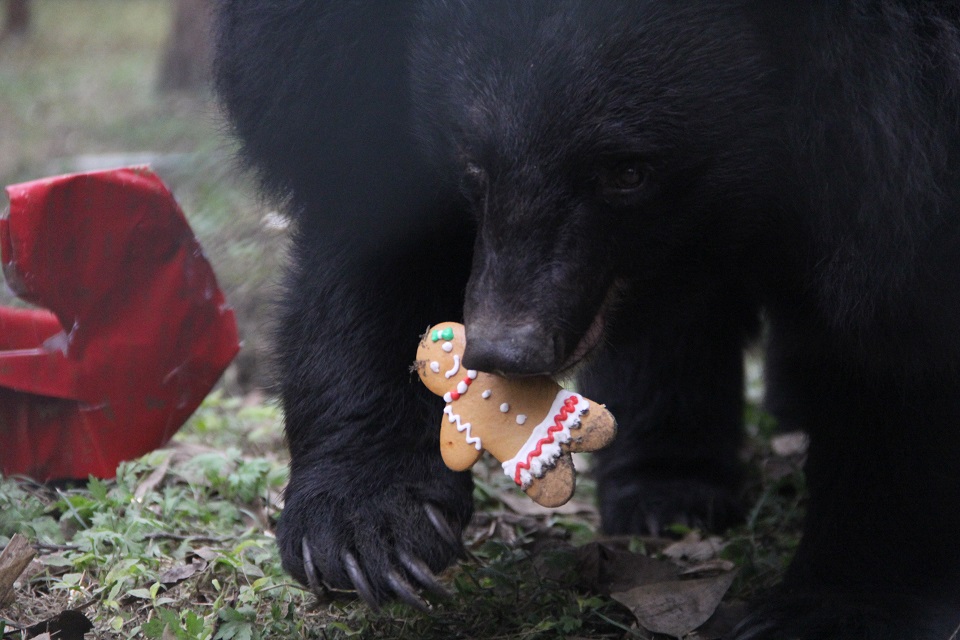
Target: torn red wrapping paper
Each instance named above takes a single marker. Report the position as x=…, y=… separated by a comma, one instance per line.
x=133, y=333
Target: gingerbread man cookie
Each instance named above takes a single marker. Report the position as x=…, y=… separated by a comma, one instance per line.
x=531, y=425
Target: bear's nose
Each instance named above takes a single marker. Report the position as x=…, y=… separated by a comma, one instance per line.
x=511, y=350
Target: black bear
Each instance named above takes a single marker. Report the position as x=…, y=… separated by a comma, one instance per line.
x=621, y=188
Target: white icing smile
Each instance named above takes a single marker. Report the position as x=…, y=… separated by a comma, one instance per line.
x=456, y=367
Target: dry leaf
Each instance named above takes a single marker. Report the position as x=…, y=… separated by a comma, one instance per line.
x=168, y=634
x=153, y=479
x=15, y=557
x=652, y=589
x=207, y=554
x=182, y=572
x=694, y=549
x=790, y=444
x=717, y=565
x=676, y=607
x=606, y=569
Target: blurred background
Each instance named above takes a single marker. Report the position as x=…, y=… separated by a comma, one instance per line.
x=98, y=84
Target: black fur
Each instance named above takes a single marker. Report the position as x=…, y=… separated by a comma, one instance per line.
x=637, y=180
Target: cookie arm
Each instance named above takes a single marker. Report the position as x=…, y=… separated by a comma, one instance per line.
x=457, y=453
x=597, y=430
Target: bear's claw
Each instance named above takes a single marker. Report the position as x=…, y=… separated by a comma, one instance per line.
x=405, y=591
x=421, y=573
x=359, y=580
x=443, y=528
x=310, y=569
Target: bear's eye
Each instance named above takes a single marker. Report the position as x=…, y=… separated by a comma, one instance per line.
x=622, y=182
x=626, y=175
x=629, y=176
x=473, y=182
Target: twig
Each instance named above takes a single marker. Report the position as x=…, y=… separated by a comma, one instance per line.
x=44, y=546
x=178, y=536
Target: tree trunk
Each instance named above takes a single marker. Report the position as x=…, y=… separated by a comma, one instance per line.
x=17, y=22
x=187, y=57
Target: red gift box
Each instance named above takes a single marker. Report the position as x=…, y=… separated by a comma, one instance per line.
x=133, y=330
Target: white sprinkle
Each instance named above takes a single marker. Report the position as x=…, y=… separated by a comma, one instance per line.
x=485, y=394
x=462, y=387
x=521, y=418
x=447, y=346
x=471, y=374
x=435, y=366
x=504, y=407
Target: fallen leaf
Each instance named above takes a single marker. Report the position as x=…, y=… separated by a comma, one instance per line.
x=15, y=558
x=207, y=554
x=182, y=572
x=790, y=444
x=606, y=569
x=717, y=565
x=153, y=479
x=694, y=549
x=675, y=607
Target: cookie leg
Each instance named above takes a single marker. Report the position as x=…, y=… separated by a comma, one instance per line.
x=556, y=486
x=675, y=384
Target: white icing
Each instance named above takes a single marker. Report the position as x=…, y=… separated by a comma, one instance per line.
x=521, y=418
x=471, y=374
x=447, y=346
x=463, y=427
x=504, y=408
x=548, y=452
x=454, y=369
x=486, y=394
x=435, y=366
x=462, y=387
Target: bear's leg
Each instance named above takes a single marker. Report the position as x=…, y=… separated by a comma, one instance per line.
x=674, y=381
x=879, y=559
x=318, y=92
x=370, y=504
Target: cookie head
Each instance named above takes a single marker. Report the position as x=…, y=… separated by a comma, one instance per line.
x=439, y=357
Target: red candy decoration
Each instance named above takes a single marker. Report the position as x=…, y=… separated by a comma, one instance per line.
x=565, y=410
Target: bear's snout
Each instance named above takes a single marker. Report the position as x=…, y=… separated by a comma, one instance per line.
x=512, y=350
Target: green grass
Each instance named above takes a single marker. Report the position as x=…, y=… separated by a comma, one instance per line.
x=212, y=500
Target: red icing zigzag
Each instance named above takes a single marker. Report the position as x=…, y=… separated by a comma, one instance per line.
x=558, y=419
